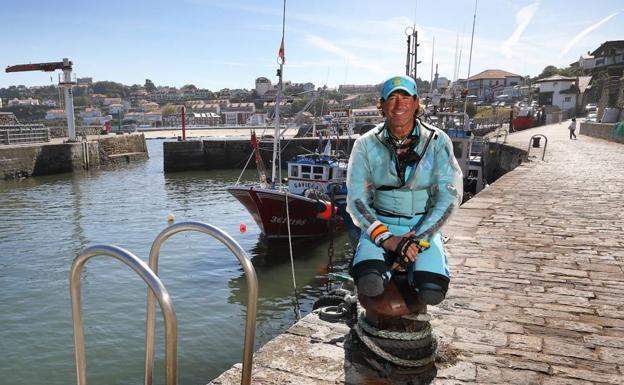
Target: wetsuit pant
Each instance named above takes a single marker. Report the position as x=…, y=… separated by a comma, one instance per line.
x=429, y=272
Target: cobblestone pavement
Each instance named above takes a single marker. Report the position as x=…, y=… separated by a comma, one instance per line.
x=537, y=292
x=537, y=295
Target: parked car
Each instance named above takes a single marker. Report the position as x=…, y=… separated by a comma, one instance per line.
x=591, y=107
x=591, y=117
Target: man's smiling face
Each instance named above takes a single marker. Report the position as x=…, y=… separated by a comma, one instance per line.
x=399, y=109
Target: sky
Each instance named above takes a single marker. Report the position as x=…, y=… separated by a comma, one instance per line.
x=219, y=44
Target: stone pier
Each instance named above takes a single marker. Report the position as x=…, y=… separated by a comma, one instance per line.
x=537, y=291
x=55, y=157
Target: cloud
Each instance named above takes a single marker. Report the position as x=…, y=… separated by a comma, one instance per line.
x=351, y=58
x=584, y=32
x=523, y=18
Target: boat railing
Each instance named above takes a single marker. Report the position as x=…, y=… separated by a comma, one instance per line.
x=156, y=288
x=252, y=293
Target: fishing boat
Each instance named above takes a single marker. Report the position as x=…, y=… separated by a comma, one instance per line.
x=301, y=205
x=523, y=118
x=467, y=148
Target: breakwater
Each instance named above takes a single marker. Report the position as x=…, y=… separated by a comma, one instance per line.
x=20, y=161
x=233, y=153
x=222, y=153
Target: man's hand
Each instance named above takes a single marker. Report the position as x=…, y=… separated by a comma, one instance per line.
x=410, y=254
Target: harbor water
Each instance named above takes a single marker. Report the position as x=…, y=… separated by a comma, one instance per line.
x=46, y=221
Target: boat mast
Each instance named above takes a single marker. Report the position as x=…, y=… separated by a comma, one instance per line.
x=474, y=20
x=276, y=136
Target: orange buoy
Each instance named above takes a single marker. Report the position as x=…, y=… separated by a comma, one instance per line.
x=326, y=213
x=242, y=227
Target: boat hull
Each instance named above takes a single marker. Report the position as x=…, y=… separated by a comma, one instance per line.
x=268, y=209
x=523, y=122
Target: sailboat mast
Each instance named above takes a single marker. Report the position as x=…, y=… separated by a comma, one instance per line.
x=276, y=165
x=432, y=51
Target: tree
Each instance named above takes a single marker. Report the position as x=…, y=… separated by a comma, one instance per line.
x=109, y=89
x=188, y=87
x=169, y=109
x=548, y=71
x=149, y=86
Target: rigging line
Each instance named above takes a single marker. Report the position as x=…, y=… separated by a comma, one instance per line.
x=292, y=261
x=245, y=168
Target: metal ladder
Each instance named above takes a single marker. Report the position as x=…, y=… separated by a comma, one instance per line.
x=156, y=290
x=535, y=143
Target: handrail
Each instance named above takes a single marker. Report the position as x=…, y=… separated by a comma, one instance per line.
x=545, y=144
x=252, y=292
x=156, y=287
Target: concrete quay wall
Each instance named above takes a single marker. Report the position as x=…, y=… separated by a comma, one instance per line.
x=219, y=153
x=600, y=130
x=20, y=161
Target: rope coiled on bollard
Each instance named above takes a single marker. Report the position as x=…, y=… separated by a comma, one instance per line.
x=362, y=328
x=387, y=356
x=392, y=335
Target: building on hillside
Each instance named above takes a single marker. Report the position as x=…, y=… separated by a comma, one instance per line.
x=0, y=102
x=585, y=62
x=263, y=85
x=358, y=88
x=258, y=119
x=489, y=84
x=607, y=54
x=84, y=81
x=93, y=116
x=23, y=102
x=237, y=113
x=109, y=101
x=55, y=114
x=566, y=93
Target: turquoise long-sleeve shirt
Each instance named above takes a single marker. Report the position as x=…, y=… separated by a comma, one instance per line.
x=432, y=189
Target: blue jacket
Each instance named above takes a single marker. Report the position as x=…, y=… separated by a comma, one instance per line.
x=431, y=189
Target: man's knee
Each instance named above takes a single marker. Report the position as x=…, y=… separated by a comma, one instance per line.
x=370, y=277
x=430, y=287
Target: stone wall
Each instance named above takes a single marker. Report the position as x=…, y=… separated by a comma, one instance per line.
x=46, y=159
x=61, y=131
x=600, y=130
x=234, y=153
x=499, y=159
x=8, y=118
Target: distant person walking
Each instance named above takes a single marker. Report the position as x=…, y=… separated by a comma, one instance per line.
x=572, y=128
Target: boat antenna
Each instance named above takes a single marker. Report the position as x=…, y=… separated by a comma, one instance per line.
x=474, y=20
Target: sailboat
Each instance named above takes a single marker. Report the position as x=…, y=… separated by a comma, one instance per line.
x=302, y=207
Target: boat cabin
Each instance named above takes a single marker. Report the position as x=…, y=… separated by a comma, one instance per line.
x=316, y=172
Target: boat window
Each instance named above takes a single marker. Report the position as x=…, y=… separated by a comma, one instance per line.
x=294, y=170
x=318, y=170
x=305, y=176
x=331, y=172
x=318, y=176
x=458, y=149
x=306, y=169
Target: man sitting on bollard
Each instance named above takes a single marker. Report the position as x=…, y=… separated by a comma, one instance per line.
x=404, y=182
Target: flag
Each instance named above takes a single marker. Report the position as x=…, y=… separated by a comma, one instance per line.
x=280, y=53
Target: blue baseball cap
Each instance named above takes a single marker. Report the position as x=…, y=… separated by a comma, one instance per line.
x=401, y=82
